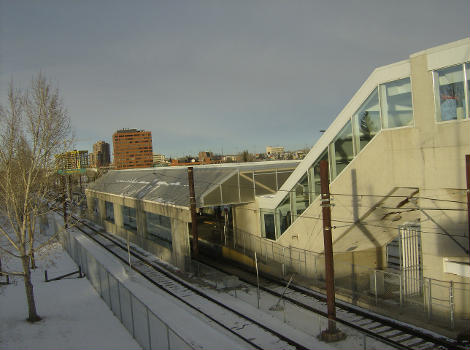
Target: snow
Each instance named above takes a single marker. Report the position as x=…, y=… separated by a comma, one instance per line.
x=73, y=314
x=173, y=313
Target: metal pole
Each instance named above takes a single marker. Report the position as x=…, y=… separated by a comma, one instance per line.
x=69, y=188
x=64, y=203
x=375, y=286
x=429, y=299
x=257, y=277
x=192, y=203
x=129, y=250
x=467, y=166
x=451, y=304
x=328, y=246
x=401, y=290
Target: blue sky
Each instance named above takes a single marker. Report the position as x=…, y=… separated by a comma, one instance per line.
x=214, y=75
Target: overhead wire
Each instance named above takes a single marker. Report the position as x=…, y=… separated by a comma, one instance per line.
x=346, y=222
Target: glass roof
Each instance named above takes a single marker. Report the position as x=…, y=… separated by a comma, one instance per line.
x=214, y=184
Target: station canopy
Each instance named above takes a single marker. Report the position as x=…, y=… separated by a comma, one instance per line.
x=214, y=185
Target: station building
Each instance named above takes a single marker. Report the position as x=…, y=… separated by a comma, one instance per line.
x=151, y=206
x=397, y=169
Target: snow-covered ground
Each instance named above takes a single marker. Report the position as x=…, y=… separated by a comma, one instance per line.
x=73, y=314
x=75, y=317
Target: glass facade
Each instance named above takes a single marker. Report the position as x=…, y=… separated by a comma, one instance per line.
x=467, y=91
x=341, y=150
x=450, y=91
x=396, y=104
x=388, y=106
x=129, y=218
x=366, y=122
x=284, y=214
x=109, y=211
x=268, y=226
x=316, y=175
x=301, y=196
x=158, y=228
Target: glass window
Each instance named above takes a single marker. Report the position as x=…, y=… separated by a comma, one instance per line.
x=301, y=193
x=397, y=108
x=316, y=173
x=467, y=71
x=450, y=94
x=269, y=227
x=158, y=228
x=109, y=211
x=367, y=121
x=284, y=214
x=95, y=208
x=342, y=152
x=129, y=218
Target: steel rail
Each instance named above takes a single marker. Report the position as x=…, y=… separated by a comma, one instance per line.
x=400, y=326
x=184, y=284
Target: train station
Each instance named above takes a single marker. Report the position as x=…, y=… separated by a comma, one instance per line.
x=398, y=181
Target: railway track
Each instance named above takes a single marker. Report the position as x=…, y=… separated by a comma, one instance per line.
x=396, y=334
x=254, y=332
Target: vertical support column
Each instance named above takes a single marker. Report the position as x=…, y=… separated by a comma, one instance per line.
x=118, y=218
x=331, y=334
x=90, y=204
x=192, y=204
x=141, y=222
x=429, y=299
x=451, y=305
x=467, y=167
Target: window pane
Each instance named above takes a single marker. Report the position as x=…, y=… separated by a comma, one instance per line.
x=301, y=195
x=316, y=173
x=269, y=230
x=284, y=212
x=343, y=149
x=95, y=208
x=451, y=97
x=109, y=211
x=129, y=218
x=367, y=120
x=159, y=228
x=467, y=67
x=397, y=108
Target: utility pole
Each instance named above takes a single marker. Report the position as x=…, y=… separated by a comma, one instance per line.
x=332, y=333
x=192, y=204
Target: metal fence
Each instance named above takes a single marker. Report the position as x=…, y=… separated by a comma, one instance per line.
x=150, y=331
x=390, y=292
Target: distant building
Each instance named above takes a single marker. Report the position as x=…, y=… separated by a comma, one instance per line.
x=159, y=159
x=132, y=149
x=229, y=158
x=205, y=157
x=270, y=150
x=101, y=155
x=72, y=160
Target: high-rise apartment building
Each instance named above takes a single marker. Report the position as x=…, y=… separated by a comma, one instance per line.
x=101, y=154
x=132, y=149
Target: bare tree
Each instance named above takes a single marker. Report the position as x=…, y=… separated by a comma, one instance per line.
x=34, y=126
x=246, y=156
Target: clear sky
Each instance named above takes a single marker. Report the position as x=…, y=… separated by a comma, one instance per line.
x=218, y=75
